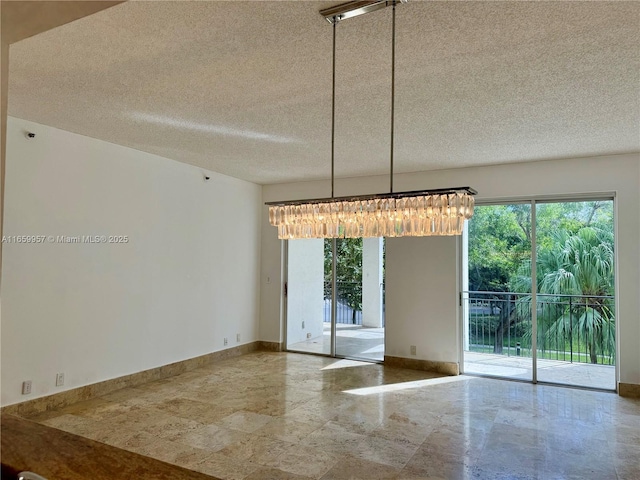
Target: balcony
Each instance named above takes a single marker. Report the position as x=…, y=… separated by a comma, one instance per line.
x=575, y=340
x=575, y=337
x=356, y=336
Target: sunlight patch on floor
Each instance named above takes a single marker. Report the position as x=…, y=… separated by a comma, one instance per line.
x=395, y=387
x=346, y=364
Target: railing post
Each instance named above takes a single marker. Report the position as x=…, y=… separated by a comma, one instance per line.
x=508, y=307
x=570, y=331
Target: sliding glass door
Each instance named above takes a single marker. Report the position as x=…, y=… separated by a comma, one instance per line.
x=576, y=342
x=355, y=327
x=308, y=328
x=360, y=306
x=548, y=268
x=498, y=320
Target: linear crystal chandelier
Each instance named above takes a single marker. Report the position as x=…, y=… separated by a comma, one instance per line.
x=402, y=214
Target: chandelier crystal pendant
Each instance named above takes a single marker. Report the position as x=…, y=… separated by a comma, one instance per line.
x=420, y=213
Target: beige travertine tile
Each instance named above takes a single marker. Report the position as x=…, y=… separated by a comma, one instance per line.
x=171, y=428
x=288, y=430
x=71, y=423
x=202, y=412
x=572, y=466
x=165, y=450
x=189, y=457
x=255, y=449
x=114, y=437
x=383, y=451
x=272, y=408
x=210, y=437
x=426, y=464
x=304, y=460
x=334, y=437
x=355, y=468
x=403, y=432
x=623, y=434
x=245, y=421
x=87, y=407
x=280, y=415
x=264, y=473
x=224, y=467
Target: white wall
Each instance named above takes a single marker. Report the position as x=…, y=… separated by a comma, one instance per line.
x=305, y=296
x=421, y=292
x=187, y=278
x=617, y=173
x=372, y=278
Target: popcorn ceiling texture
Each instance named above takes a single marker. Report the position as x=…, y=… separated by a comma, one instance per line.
x=244, y=88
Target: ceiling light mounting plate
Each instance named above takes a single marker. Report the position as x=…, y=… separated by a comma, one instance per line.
x=356, y=8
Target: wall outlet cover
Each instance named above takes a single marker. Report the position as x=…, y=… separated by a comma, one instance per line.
x=226, y=341
x=413, y=349
x=59, y=379
x=26, y=387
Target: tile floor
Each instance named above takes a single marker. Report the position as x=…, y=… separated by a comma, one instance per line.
x=290, y=416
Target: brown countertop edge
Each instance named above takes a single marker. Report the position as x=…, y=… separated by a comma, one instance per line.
x=59, y=455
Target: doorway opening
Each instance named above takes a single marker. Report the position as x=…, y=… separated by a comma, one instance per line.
x=355, y=327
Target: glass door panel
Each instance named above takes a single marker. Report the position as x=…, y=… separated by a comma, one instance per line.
x=308, y=316
x=497, y=301
x=360, y=305
x=575, y=301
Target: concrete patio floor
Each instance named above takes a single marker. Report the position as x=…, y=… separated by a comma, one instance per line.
x=351, y=341
x=368, y=343
x=552, y=371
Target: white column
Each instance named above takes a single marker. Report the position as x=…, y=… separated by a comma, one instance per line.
x=372, y=282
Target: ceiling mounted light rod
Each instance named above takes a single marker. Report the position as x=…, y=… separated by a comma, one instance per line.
x=355, y=8
x=393, y=92
x=417, y=213
x=333, y=113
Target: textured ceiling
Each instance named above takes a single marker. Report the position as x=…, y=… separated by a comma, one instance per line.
x=244, y=88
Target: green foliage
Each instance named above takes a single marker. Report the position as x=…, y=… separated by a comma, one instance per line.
x=574, y=257
x=348, y=270
x=499, y=240
x=579, y=264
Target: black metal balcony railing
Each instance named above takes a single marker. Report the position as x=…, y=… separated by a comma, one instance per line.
x=571, y=328
x=349, y=304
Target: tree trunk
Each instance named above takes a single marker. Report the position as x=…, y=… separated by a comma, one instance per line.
x=505, y=321
x=592, y=350
x=498, y=340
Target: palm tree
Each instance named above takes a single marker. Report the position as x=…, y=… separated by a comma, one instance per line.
x=581, y=266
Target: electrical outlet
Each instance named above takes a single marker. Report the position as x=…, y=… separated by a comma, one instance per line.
x=413, y=349
x=309, y=335
x=26, y=387
x=226, y=341
x=59, y=379
x=303, y=324
x=238, y=337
